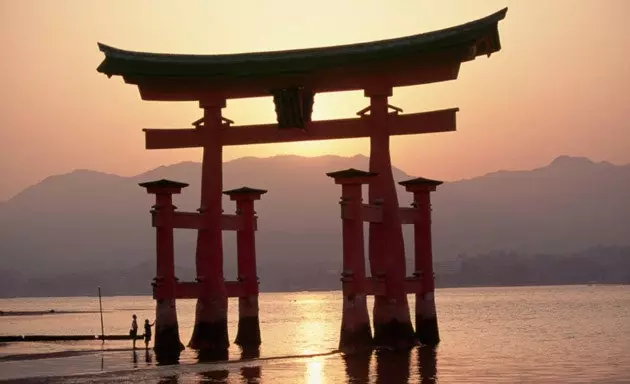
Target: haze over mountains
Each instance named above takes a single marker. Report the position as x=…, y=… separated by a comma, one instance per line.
x=71, y=232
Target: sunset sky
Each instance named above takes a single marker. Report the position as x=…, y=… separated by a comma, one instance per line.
x=560, y=85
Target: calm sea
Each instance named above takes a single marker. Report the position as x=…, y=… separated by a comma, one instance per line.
x=564, y=334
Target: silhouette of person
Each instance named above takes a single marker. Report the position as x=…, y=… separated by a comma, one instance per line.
x=147, y=332
x=133, y=332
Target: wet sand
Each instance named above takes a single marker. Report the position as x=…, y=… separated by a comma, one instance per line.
x=129, y=365
x=38, y=356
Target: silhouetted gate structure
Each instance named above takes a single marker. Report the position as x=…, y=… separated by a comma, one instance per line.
x=293, y=78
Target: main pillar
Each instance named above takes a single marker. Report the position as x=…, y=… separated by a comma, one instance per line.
x=426, y=315
x=210, y=334
x=167, y=345
x=248, y=334
x=392, y=324
x=356, y=333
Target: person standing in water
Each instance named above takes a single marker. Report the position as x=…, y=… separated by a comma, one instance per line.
x=133, y=332
x=147, y=332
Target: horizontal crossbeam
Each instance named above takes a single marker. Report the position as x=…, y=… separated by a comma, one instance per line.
x=193, y=220
x=408, y=215
x=425, y=122
x=369, y=213
x=372, y=213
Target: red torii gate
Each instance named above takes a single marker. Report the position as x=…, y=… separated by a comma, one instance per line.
x=293, y=78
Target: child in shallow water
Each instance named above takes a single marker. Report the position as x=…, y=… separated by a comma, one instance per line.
x=147, y=332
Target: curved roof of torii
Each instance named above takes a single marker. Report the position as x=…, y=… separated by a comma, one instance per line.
x=479, y=37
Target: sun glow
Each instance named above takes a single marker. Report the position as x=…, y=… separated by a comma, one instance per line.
x=309, y=148
x=347, y=147
x=315, y=371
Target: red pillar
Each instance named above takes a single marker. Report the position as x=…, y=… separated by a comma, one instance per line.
x=356, y=333
x=210, y=334
x=248, y=334
x=167, y=344
x=392, y=324
x=427, y=331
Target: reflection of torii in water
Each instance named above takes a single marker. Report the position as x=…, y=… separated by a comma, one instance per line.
x=293, y=78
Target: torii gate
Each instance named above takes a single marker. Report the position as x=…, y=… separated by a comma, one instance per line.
x=293, y=78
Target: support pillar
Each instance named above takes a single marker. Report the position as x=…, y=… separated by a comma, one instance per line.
x=248, y=334
x=167, y=344
x=210, y=334
x=392, y=323
x=356, y=333
x=426, y=315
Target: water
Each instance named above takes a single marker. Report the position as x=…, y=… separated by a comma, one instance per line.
x=565, y=334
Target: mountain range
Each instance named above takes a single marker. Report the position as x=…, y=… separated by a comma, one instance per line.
x=86, y=228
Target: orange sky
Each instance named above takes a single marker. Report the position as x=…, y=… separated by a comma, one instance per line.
x=561, y=84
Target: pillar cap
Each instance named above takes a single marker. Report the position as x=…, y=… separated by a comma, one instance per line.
x=351, y=176
x=420, y=184
x=243, y=192
x=163, y=186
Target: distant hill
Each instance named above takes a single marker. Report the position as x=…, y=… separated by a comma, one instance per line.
x=84, y=222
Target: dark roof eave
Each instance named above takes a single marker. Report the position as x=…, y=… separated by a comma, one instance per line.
x=420, y=181
x=351, y=173
x=245, y=191
x=481, y=34
x=163, y=183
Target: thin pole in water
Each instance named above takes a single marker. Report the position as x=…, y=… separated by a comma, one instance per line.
x=100, y=304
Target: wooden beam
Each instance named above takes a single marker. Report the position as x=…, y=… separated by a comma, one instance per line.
x=193, y=220
x=172, y=138
x=415, y=123
x=408, y=215
x=231, y=222
x=413, y=285
x=372, y=213
x=415, y=70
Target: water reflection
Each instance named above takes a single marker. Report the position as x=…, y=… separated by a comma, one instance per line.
x=250, y=374
x=162, y=359
x=358, y=367
x=427, y=365
x=135, y=359
x=212, y=356
x=314, y=371
x=169, y=380
x=392, y=366
x=217, y=376
x=147, y=357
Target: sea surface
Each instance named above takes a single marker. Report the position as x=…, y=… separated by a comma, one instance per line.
x=560, y=334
